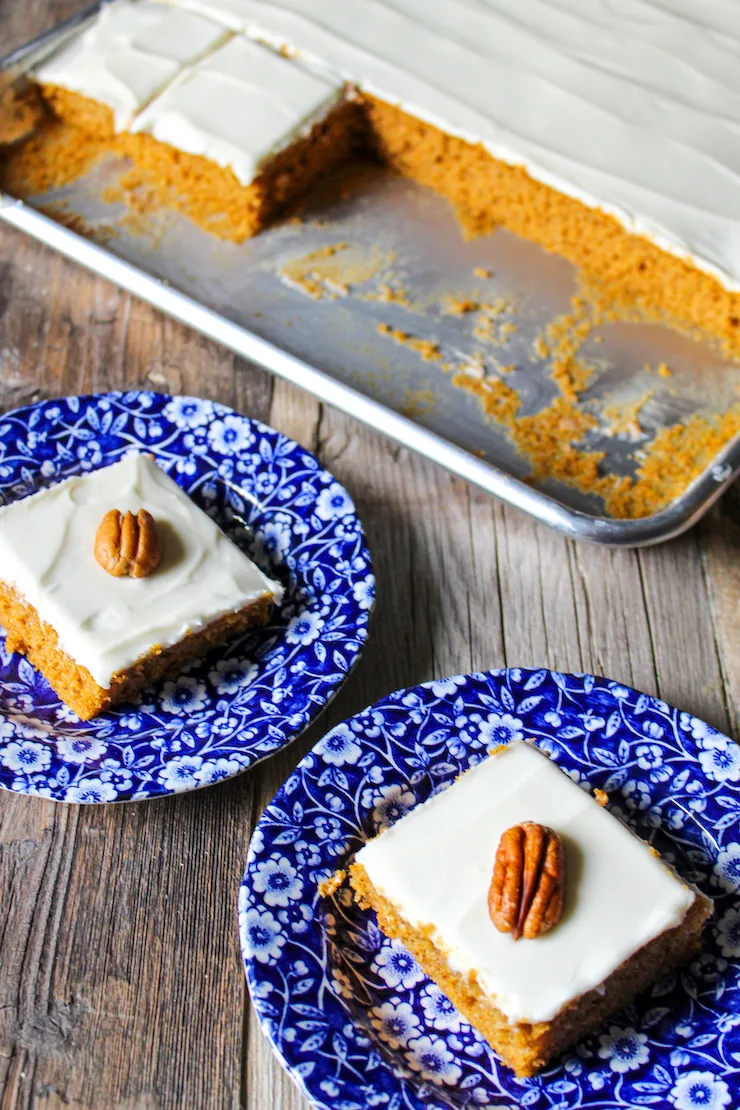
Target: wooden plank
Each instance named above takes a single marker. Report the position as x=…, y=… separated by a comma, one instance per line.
x=21, y=22
x=121, y=986
x=719, y=538
x=683, y=636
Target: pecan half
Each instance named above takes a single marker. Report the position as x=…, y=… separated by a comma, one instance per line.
x=526, y=893
x=128, y=544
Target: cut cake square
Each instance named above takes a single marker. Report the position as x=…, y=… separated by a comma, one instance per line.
x=627, y=917
x=99, y=639
x=100, y=80
x=243, y=132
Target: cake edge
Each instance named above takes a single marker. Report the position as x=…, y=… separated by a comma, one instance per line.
x=623, y=267
x=207, y=193
x=522, y=1046
x=29, y=635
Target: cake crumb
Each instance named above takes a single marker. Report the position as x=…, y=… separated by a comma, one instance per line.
x=100, y=233
x=330, y=886
x=661, y=369
x=601, y=798
x=459, y=306
x=563, y=340
x=428, y=349
x=498, y=400
x=621, y=419
x=475, y=366
x=332, y=270
x=391, y=294
x=482, y=273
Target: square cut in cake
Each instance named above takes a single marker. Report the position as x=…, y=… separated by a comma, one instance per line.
x=102, y=78
x=242, y=133
x=99, y=638
x=627, y=918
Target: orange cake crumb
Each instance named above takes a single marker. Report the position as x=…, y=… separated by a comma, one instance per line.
x=489, y=328
x=497, y=399
x=622, y=418
x=676, y=457
x=561, y=343
x=427, y=348
x=76, y=223
x=389, y=294
x=331, y=270
x=459, y=306
x=661, y=369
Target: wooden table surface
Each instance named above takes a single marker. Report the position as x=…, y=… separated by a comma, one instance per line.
x=121, y=983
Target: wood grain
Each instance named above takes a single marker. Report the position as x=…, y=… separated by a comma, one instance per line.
x=121, y=986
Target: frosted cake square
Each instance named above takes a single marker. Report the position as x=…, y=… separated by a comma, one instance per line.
x=241, y=133
x=103, y=77
x=102, y=618
x=443, y=881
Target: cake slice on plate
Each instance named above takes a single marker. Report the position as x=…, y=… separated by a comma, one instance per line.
x=532, y=907
x=113, y=579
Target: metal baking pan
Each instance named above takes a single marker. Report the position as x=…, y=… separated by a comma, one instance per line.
x=252, y=298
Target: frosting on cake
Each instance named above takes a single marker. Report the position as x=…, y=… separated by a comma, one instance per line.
x=435, y=866
x=631, y=107
x=130, y=52
x=240, y=106
x=104, y=623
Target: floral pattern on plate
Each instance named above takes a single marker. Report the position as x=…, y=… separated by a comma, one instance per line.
x=250, y=698
x=350, y=1013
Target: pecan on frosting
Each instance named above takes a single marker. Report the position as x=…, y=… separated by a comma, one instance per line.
x=128, y=545
x=526, y=893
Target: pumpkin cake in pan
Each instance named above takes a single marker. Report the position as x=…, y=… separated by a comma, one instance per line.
x=608, y=137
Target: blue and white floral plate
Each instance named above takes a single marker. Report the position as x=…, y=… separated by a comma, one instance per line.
x=251, y=698
x=351, y=1015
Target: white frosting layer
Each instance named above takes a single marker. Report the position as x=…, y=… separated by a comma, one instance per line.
x=129, y=53
x=104, y=623
x=436, y=864
x=633, y=107
x=240, y=106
